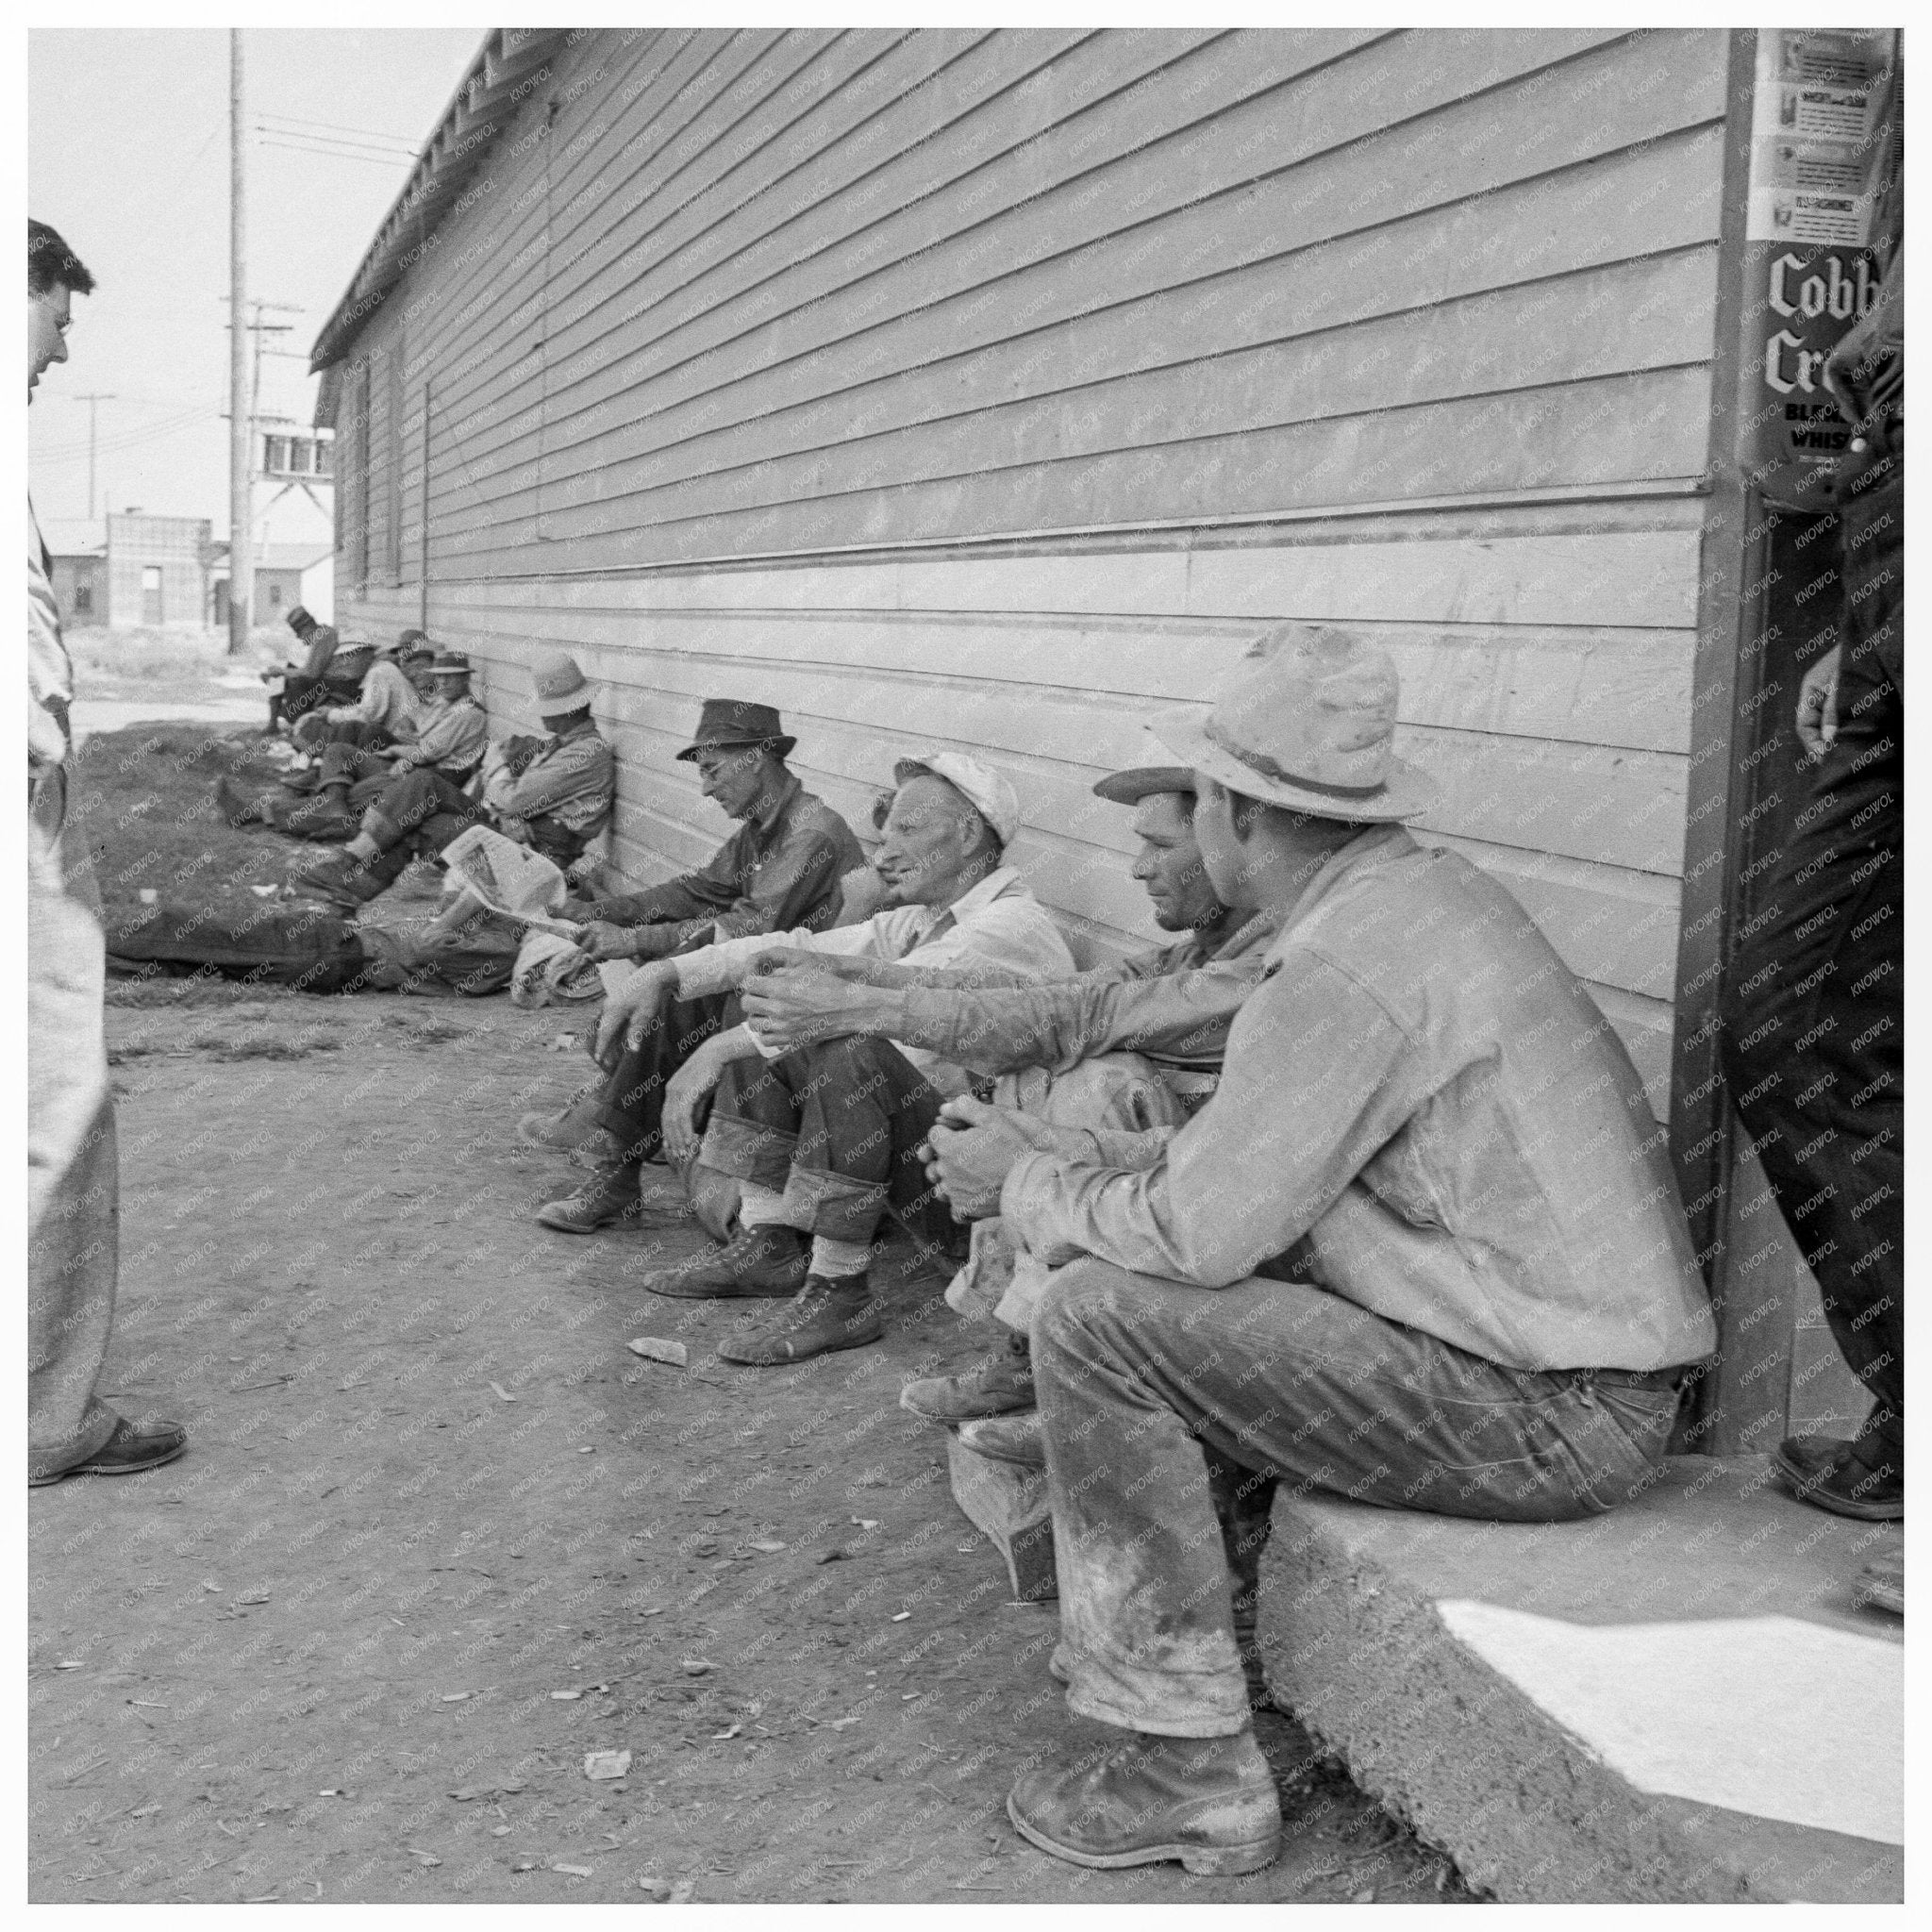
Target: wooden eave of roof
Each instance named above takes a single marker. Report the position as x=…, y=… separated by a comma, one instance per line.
x=490, y=92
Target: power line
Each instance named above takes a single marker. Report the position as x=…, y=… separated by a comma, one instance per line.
x=344, y=141
x=335, y=154
x=300, y=122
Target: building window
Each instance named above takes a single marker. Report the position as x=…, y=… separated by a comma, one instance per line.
x=277, y=459
x=323, y=466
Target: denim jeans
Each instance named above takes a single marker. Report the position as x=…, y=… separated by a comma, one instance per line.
x=1813, y=1045
x=1147, y=1388
x=835, y=1128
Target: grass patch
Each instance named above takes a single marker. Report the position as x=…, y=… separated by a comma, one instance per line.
x=145, y=799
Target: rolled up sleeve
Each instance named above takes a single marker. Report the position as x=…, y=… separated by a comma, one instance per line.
x=1313, y=1085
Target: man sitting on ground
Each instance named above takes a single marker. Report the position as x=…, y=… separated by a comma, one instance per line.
x=1017, y=1030
x=824, y=1139
x=779, y=869
x=317, y=682
x=452, y=733
x=1422, y=1248
x=553, y=794
x=385, y=706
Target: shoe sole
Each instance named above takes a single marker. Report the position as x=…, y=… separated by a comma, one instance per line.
x=785, y=1361
x=1810, y=1489
x=41, y=1482
x=1880, y=1596
x=737, y=1292
x=1203, y=1861
x=953, y=1421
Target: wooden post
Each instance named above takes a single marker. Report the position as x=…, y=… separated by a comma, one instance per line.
x=240, y=423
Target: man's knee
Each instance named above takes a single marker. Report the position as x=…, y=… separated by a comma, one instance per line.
x=1078, y=1301
x=856, y=1056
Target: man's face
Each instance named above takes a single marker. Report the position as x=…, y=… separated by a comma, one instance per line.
x=449, y=687
x=733, y=777
x=927, y=842
x=417, y=671
x=1170, y=866
x=47, y=317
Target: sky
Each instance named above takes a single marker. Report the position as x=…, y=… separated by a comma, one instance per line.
x=127, y=157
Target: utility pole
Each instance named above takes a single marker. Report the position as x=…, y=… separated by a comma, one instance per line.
x=92, y=399
x=240, y=423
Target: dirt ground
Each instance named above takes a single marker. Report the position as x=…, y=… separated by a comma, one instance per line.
x=440, y=1534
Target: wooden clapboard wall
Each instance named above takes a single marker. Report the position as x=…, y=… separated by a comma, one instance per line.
x=998, y=387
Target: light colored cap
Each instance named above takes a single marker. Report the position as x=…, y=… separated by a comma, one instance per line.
x=561, y=685
x=1307, y=723
x=989, y=792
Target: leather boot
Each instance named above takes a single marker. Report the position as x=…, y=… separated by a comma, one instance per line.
x=756, y=1262
x=234, y=810
x=1858, y=1478
x=348, y=882
x=1210, y=1802
x=999, y=1385
x=609, y=1198
x=827, y=1313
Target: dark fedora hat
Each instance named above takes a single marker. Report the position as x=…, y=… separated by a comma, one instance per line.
x=731, y=721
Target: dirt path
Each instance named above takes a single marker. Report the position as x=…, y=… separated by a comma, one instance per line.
x=430, y=1490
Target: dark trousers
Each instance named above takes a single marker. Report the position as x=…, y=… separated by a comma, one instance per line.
x=835, y=1129
x=1813, y=1010
x=1170, y=1411
x=358, y=768
x=426, y=804
x=631, y=1101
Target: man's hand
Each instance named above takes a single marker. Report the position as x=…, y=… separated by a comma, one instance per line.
x=629, y=1012
x=688, y=1089
x=800, y=1006
x=602, y=940
x=972, y=1149
x=519, y=753
x=1818, y=704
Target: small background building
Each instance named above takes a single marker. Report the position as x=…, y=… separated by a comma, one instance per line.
x=998, y=386
x=131, y=571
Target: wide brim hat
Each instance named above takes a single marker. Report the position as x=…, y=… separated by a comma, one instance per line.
x=1307, y=723
x=561, y=685
x=1146, y=781
x=450, y=664
x=726, y=722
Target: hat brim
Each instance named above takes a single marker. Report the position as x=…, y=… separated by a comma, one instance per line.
x=1406, y=794
x=781, y=745
x=1146, y=781
x=566, y=701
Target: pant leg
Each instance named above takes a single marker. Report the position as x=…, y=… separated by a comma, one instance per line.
x=864, y=1108
x=410, y=801
x=73, y=1172
x=631, y=1101
x=1141, y=1382
x=1813, y=1040
x=344, y=764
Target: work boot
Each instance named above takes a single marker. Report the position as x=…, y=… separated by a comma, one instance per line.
x=1017, y=1439
x=608, y=1197
x=827, y=1313
x=236, y=811
x=309, y=779
x=1860, y=1478
x=763, y=1263
x=348, y=882
x=1000, y=1384
x=326, y=819
x=131, y=1448
x=1210, y=1802
x=1883, y=1582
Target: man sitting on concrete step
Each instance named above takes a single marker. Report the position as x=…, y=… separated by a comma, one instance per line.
x=822, y=1140
x=553, y=793
x=1017, y=1031
x=452, y=734
x=1422, y=1248
x=779, y=869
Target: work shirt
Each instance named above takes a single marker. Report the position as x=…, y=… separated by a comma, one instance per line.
x=49, y=671
x=1422, y=1110
x=774, y=873
x=573, y=780
x=999, y=923
x=322, y=650
x=389, y=702
x=452, y=737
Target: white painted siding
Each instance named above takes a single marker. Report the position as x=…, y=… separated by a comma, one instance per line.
x=998, y=387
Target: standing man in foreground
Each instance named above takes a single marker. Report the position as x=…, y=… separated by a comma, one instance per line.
x=1422, y=1248
x=72, y=1173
